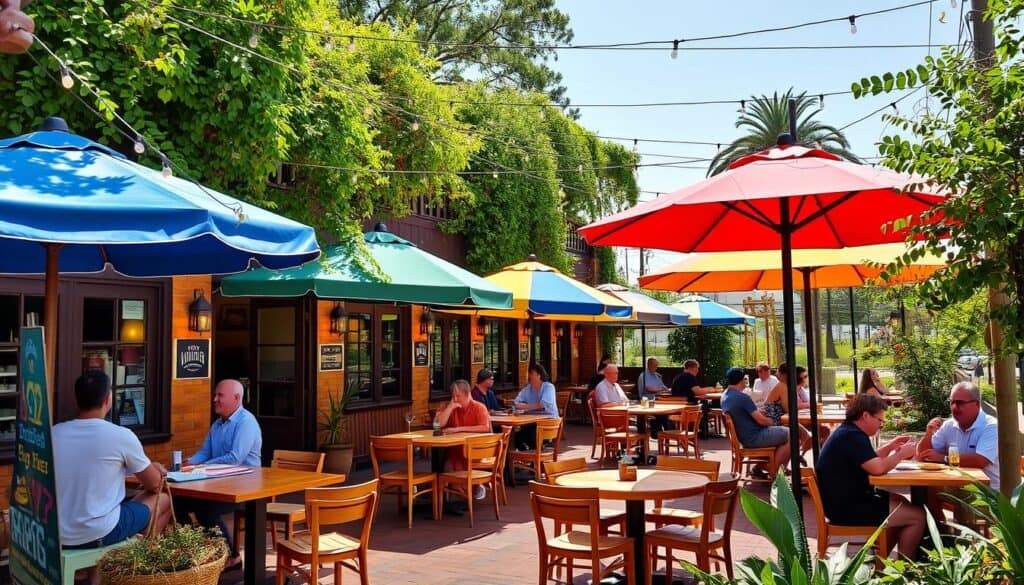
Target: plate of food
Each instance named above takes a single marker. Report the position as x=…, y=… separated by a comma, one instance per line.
x=929, y=466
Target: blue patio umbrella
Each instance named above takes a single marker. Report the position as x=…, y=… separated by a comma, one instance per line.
x=68, y=204
x=703, y=311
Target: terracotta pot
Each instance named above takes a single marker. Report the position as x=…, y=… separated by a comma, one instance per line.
x=338, y=458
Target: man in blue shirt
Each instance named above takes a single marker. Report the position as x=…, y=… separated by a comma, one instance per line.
x=234, y=439
x=753, y=428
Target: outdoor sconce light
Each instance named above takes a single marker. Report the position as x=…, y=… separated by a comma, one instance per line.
x=200, y=313
x=481, y=326
x=579, y=332
x=526, y=329
x=339, y=320
x=427, y=322
x=560, y=331
x=621, y=332
x=132, y=330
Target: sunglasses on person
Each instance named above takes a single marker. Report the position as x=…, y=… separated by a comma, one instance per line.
x=959, y=403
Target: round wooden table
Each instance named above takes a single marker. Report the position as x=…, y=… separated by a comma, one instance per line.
x=650, y=484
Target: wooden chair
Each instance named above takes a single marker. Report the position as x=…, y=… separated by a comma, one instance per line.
x=609, y=518
x=720, y=497
x=328, y=506
x=532, y=460
x=687, y=434
x=617, y=434
x=661, y=515
x=827, y=530
x=598, y=430
x=745, y=458
x=285, y=513
x=568, y=507
x=478, y=472
x=501, y=462
x=406, y=483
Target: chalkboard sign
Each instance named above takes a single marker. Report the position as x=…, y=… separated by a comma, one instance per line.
x=332, y=357
x=420, y=356
x=191, y=359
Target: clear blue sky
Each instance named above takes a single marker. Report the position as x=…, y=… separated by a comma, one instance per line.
x=652, y=76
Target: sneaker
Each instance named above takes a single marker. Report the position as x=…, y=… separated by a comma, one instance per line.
x=479, y=492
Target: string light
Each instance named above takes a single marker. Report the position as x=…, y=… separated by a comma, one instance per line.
x=66, y=81
x=494, y=174
x=139, y=147
x=821, y=102
x=853, y=24
x=254, y=39
x=166, y=170
x=675, y=49
x=351, y=44
x=329, y=45
x=416, y=124
x=636, y=147
x=743, y=107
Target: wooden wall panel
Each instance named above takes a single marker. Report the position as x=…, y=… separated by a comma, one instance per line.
x=375, y=421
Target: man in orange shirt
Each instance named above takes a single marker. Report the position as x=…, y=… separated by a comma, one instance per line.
x=463, y=415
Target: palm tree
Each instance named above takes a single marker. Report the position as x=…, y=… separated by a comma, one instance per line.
x=765, y=118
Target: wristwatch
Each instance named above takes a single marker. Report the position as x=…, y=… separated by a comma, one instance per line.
x=945, y=459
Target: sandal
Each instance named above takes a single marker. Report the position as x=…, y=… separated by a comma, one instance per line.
x=233, y=563
x=758, y=473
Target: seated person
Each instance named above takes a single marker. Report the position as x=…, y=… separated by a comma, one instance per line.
x=92, y=456
x=537, y=397
x=596, y=379
x=871, y=383
x=973, y=433
x=763, y=384
x=846, y=461
x=483, y=392
x=776, y=403
x=608, y=392
x=650, y=383
x=753, y=428
x=234, y=438
x=685, y=385
x=463, y=415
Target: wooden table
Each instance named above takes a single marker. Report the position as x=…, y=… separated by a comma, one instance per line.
x=650, y=484
x=254, y=490
x=711, y=396
x=515, y=421
x=919, y=480
x=427, y=438
x=653, y=409
x=827, y=417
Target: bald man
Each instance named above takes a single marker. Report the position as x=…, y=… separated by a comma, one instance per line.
x=234, y=439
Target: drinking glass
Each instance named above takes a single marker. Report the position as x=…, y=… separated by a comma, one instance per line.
x=954, y=456
x=409, y=417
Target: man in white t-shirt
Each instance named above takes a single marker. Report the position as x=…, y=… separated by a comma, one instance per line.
x=92, y=456
x=608, y=392
x=763, y=384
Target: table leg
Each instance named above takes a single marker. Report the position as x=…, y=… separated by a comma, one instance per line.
x=636, y=528
x=510, y=473
x=255, y=560
x=641, y=428
x=919, y=495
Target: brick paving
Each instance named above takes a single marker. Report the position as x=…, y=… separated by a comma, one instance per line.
x=501, y=552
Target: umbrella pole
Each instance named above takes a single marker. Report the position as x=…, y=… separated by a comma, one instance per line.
x=643, y=359
x=812, y=384
x=50, y=317
x=790, y=342
x=853, y=340
x=531, y=338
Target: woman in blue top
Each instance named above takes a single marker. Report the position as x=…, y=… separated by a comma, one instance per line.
x=537, y=397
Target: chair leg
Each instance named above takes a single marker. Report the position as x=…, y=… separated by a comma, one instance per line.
x=409, y=506
x=364, y=569
x=727, y=555
x=544, y=563
x=469, y=503
x=630, y=567
x=648, y=566
x=494, y=496
x=282, y=569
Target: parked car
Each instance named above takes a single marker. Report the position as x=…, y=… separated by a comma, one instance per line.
x=968, y=359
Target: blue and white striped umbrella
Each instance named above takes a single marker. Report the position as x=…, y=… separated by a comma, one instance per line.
x=703, y=311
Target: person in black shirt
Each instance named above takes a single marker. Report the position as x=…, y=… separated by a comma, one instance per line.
x=842, y=471
x=685, y=384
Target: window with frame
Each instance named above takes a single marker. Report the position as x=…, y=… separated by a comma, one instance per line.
x=114, y=342
x=449, y=343
x=501, y=351
x=377, y=353
x=563, y=352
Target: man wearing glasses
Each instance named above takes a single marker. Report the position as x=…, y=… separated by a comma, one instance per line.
x=974, y=435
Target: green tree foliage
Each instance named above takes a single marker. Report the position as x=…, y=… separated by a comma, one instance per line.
x=767, y=117
x=461, y=26
x=971, y=142
x=719, y=349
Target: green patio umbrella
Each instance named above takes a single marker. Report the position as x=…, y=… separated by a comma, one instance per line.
x=413, y=276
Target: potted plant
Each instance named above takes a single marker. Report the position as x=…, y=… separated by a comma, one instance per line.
x=337, y=445
x=182, y=555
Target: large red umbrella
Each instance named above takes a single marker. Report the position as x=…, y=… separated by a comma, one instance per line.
x=778, y=199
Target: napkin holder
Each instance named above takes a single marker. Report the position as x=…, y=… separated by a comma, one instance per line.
x=627, y=471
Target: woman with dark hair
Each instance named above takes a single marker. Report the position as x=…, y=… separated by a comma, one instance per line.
x=537, y=397
x=871, y=383
x=599, y=376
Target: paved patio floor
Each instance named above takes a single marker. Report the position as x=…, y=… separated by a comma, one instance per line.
x=501, y=552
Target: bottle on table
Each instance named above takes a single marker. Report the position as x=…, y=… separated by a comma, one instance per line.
x=176, y=461
x=437, y=426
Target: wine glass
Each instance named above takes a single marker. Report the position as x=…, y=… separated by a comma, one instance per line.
x=409, y=417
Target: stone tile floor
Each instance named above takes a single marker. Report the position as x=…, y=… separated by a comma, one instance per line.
x=501, y=552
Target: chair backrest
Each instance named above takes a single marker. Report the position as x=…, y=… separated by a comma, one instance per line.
x=706, y=467
x=553, y=469
x=482, y=447
x=340, y=505
x=566, y=506
x=617, y=419
x=390, y=449
x=720, y=497
x=689, y=419
x=811, y=483
x=298, y=460
x=549, y=430
x=592, y=408
x=506, y=440
x=730, y=429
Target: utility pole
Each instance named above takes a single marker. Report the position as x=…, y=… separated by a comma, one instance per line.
x=1005, y=378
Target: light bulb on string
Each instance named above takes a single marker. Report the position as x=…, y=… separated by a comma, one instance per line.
x=494, y=174
x=743, y=107
x=675, y=50
x=254, y=39
x=166, y=170
x=416, y=124
x=139, y=147
x=579, y=168
x=636, y=146
x=351, y=44
x=853, y=24
x=821, y=102
x=329, y=45
x=66, y=81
